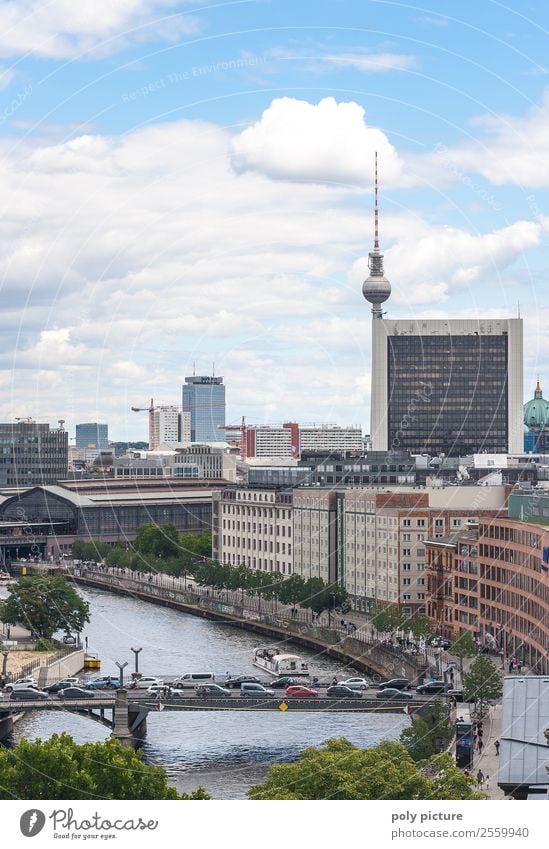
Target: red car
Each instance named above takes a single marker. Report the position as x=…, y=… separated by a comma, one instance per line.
x=298, y=691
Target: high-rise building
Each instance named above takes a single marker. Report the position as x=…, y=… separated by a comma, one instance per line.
x=204, y=399
x=171, y=426
x=92, y=435
x=31, y=453
x=451, y=387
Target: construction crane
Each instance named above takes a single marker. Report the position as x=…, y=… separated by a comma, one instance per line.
x=150, y=411
x=242, y=427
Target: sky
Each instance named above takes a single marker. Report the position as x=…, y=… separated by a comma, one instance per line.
x=188, y=185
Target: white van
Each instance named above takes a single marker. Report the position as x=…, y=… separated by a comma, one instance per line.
x=194, y=679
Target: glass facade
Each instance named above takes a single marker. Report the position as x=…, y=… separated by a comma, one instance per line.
x=204, y=399
x=448, y=394
x=92, y=435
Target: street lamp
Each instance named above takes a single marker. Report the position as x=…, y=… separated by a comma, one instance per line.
x=136, y=674
x=121, y=667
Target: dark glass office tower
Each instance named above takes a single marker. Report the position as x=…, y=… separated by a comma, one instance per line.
x=204, y=399
x=450, y=387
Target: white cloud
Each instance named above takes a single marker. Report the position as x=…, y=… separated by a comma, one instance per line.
x=325, y=142
x=63, y=29
x=376, y=62
x=429, y=261
x=508, y=149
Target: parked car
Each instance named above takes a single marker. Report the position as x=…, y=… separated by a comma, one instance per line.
x=234, y=683
x=431, y=687
x=213, y=691
x=257, y=690
x=145, y=682
x=393, y=694
x=28, y=680
x=395, y=684
x=11, y=688
x=76, y=693
x=105, y=683
x=356, y=683
x=341, y=691
x=28, y=693
x=282, y=682
x=298, y=691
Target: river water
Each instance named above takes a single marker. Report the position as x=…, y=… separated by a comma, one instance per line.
x=225, y=752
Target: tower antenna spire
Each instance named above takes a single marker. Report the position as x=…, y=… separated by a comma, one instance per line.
x=376, y=209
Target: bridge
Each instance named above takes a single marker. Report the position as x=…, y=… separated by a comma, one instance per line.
x=126, y=715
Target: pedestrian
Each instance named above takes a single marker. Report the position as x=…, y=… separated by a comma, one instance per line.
x=496, y=747
x=334, y=680
x=511, y=667
x=520, y=664
x=480, y=746
x=480, y=777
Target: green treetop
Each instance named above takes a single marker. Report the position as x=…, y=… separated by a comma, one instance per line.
x=482, y=683
x=45, y=604
x=340, y=770
x=59, y=768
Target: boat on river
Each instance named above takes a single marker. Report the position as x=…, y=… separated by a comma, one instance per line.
x=273, y=661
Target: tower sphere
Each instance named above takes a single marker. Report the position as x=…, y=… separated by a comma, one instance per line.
x=376, y=288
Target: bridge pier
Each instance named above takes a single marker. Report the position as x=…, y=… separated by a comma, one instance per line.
x=129, y=721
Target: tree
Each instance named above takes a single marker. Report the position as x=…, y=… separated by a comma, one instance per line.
x=45, y=605
x=59, y=768
x=463, y=647
x=158, y=541
x=340, y=770
x=292, y=590
x=419, y=625
x=429, y=733
x=482, y=683
x=386, y=618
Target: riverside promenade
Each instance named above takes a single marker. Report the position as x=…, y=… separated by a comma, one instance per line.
x=349, y=643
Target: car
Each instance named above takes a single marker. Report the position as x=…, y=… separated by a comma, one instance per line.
x=356, y=683
x=28, y=694
x=160, y=689
x=234, y=683
x=341, y=691
x=106, y=683
x=257, y=690
x=10, y=688
x=394, y=684
x=29, y=681
x=431, y=687
x=59, y=685
x=393, y=694
x=145, y=682
x=76, y=693
x=282, y=682
x=298, y=691
x=213, y=691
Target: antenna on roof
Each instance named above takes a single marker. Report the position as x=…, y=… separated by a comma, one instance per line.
x=194, y=368
x=518, y=309
x=213, y=369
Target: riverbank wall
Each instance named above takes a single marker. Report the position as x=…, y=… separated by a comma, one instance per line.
x=362, y=653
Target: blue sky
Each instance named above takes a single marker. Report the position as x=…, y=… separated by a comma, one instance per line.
x=192, y=182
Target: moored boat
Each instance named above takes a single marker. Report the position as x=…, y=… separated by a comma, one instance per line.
x=275, y=662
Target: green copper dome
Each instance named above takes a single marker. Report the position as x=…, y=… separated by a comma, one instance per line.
x=536, y=411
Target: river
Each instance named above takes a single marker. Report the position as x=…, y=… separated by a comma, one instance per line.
x=225, y=752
